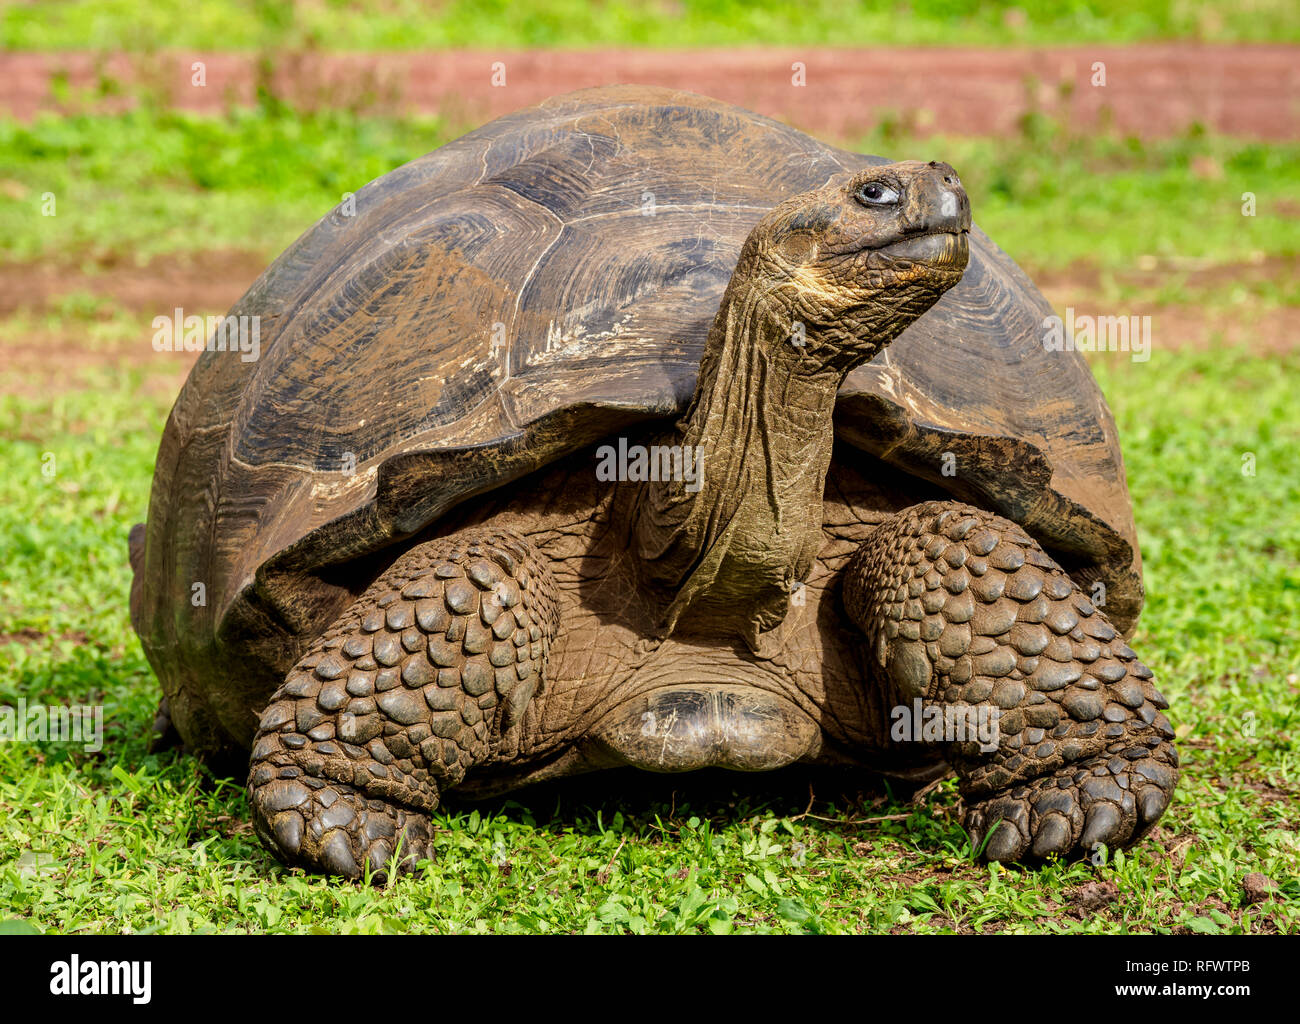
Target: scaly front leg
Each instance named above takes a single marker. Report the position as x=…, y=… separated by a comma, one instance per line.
x=426, y=676
x=966, y=612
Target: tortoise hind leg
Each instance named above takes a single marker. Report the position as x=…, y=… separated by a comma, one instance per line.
x=425, y=676
x=163, y=734
x=966, y=613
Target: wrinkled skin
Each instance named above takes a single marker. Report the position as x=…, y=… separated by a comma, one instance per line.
x=775, y=609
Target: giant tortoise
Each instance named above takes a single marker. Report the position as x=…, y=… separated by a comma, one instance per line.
x=638, y=429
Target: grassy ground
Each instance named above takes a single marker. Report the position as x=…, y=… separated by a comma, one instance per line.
x=125, y=840
x=413, y=24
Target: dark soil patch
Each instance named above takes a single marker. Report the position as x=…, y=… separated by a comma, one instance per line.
x=206, y=282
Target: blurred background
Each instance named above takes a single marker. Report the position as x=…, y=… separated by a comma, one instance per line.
x=1136, y=158
x=1109, y=147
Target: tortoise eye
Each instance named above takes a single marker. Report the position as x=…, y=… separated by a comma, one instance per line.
x=875, y=193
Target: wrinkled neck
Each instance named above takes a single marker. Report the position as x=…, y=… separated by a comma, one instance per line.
x=735, y=542
x=763, y=421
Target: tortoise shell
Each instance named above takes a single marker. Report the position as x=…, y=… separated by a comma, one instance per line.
x=517, y=295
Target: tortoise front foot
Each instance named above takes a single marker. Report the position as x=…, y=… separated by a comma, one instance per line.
x=427, y=675
x=1105, y=800
x=335, y=828
x=1053, y=725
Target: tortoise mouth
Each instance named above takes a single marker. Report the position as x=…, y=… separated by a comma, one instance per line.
x=947, y=250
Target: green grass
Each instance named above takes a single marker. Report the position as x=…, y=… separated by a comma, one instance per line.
x=150, y=183
x=412, y=24
x=124, y=840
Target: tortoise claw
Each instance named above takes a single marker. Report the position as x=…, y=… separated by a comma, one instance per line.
x=333, y=827
x=1105, y=801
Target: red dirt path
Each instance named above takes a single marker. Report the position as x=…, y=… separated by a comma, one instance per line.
x=1151, y=90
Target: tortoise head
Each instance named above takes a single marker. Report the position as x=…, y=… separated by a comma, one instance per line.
x=848, y=266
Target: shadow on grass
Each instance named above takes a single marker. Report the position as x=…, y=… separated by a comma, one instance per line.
x=853, y=805
x=840, y=806
x=722, y=796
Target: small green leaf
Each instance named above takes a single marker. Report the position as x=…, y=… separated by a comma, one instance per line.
x=721, y=925
x=793, y=910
